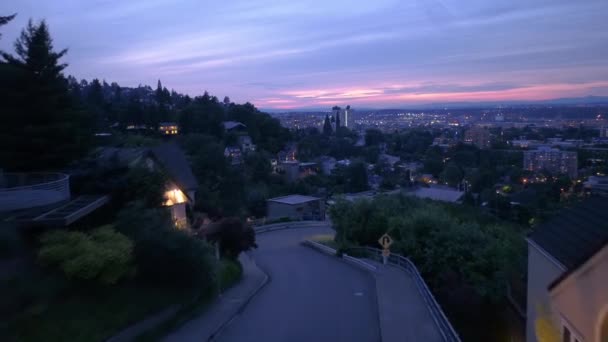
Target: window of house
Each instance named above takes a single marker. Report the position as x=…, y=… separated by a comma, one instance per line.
x=568, y=333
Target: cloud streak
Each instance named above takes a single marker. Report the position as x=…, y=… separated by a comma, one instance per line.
x=284, y=54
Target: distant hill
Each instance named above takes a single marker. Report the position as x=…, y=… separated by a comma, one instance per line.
x=568, y=101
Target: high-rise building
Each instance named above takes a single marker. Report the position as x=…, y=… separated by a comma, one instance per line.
x=477, y=136
x=552, y=160
x=343, y=117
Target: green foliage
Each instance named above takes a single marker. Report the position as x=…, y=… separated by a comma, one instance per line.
x=164, y=255
x=347, y=179
x=233, y=236
x=373, y=137
x=39, y=118
x=10, y=241
x=103, y=255
x=230, y=272
x=453, y=249
x=327, y=129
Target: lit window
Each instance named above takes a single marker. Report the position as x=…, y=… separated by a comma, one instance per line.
x=174, y=196
x=166, y=132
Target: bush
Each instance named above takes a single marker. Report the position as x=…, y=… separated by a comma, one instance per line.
x=230, y=271
x=233, y=236
x=9, y=240
x=163, y=254
x=104, y=254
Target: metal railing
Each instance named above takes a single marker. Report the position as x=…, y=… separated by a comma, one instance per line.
x=288, y=225
x=29, y=190
x=442, y=322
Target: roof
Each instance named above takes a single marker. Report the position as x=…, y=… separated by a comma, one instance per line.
x=228, y=125
x=121, y=155
x=294, y=199
x=576, y=233
x=175, y=163
x=437, y=194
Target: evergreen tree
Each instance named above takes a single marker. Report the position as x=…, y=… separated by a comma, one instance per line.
x=337, y=120
x=5, y=20
x=42, y=129
x=327, y=130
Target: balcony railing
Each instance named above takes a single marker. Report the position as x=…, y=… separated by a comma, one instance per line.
x=29, y=190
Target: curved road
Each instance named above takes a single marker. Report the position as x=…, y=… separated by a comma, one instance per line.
x=310, y=296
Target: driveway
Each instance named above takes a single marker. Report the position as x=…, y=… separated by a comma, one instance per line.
x=310, y=296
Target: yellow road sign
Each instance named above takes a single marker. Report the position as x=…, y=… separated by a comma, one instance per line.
x=385, y=241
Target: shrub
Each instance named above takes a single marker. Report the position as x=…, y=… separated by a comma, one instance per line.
x=230, y=271
x=104, y=254
x=9, y=240
x=163, y=254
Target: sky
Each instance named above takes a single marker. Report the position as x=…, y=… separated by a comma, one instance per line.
x=320, y=53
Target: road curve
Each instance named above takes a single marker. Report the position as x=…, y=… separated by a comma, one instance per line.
x=310, y=296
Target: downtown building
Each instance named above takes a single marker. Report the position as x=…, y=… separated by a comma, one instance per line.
x=343, y=117
x=552, y=160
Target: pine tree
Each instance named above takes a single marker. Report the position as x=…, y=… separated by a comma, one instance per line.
x=327, y=130
x=337, y=121
x=41, y=125
x=5, y=20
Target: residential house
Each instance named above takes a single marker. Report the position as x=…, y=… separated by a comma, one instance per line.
x=568, y=275
x=294, y=170
x=168, y=128
x=328, y=164
x=168, y=158
x=246, y=144
x=233, y=153
x=288, y=153
x=234, y=126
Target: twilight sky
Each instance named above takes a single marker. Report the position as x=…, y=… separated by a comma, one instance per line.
x=320, y=53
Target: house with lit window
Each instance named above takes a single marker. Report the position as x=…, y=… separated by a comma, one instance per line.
x=169, y=159
x=168, y=128
x=567, y=294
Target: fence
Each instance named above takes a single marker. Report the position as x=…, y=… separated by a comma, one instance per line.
x=28, y=190
x=442, y=322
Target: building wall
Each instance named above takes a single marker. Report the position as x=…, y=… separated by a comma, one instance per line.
x=582, y=298
x=552, y=160
x=541, y=272
x=302, y=211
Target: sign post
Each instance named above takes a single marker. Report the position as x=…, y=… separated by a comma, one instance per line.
x=385, y=241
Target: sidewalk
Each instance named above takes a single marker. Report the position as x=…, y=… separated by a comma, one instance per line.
x=225, y=308
x=403, y=313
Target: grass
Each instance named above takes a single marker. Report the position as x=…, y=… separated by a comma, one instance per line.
x=90, y=316
x=43, y=307
x=325, y=239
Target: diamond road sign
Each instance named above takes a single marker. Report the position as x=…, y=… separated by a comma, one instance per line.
x=385, y=241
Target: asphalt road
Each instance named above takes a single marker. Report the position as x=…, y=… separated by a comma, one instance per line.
x=310, y=296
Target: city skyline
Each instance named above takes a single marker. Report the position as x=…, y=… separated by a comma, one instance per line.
x=319, y=54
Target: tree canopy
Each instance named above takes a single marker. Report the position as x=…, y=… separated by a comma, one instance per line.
x=41, y=124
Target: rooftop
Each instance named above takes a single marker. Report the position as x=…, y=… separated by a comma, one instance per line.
x=174, y=161
x=294, y=199
x=228, y=125
x=576, y=233
x=437, y=194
